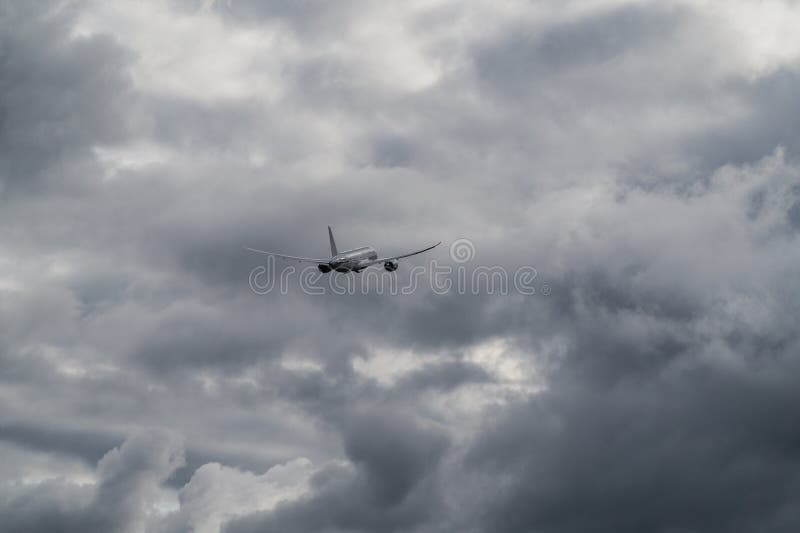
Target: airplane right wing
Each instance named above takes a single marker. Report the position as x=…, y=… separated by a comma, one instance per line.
x=411, y=253
x=291, y=257
x=396, y=257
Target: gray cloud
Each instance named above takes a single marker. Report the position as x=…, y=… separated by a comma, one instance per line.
x=128, y=479
x=703, y=452
x=60, y=96
x=529, y=53
x=643, y=160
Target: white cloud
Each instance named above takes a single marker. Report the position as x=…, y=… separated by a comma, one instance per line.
x=217, y=493
x=193, y=55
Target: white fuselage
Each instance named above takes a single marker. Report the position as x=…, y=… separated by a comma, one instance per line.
x=352, y=259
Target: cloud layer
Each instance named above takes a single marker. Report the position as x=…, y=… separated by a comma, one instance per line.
x=644, y=158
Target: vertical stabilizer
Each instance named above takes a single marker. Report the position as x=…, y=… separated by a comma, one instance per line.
x=333, y=243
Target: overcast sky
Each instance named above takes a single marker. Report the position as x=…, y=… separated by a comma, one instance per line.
x=643, y=157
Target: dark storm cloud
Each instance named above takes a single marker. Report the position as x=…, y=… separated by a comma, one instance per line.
x=657, y=419
x=89, y=446
x=311, y=18
x=701, y=451
x=59, y=96
x=524, y=55
x=392, y=152
x=342, y=501
x=622, y=151
x=199, y=340
x=395, y=453
x=203, y=127
x=392, y=487
x=444, y=376
x=771, y=120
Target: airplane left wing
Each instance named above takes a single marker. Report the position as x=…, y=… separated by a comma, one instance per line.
x=292, y=257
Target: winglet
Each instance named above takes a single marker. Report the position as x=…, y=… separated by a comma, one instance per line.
x=333, y=243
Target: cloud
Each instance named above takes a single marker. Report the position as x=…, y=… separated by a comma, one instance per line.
x=216, y=494
x=61, y=96
x=690, y=452
x=644, y=159
x=127, y=487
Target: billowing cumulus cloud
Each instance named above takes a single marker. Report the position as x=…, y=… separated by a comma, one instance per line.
x=126, y=489
x=637, y=165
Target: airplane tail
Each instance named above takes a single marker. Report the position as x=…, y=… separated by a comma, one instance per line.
x=333, y=243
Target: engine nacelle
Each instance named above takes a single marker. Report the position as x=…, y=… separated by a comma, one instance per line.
x=390, y=266
x=324, y=268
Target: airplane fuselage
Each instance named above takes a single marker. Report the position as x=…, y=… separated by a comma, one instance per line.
x=352, y=259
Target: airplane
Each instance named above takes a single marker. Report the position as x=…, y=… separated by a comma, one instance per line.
x=354, y=260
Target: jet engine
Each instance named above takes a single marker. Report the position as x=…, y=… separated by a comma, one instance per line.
x=324, y=268
x=390, y=266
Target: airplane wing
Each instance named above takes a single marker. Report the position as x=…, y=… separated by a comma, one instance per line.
x=292, y=257
x=395, y=257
